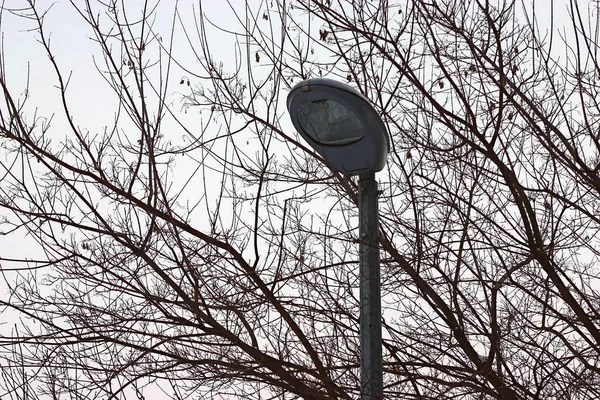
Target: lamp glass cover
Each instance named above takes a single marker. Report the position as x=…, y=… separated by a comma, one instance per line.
x=329, y=122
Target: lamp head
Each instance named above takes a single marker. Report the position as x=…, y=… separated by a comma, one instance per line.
x=340, y=124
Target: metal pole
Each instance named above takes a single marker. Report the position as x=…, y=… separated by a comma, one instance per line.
x=371, y=364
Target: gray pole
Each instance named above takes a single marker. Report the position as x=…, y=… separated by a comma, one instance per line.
x=371, y=365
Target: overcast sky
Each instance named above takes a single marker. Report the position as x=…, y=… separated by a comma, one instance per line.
x=91, y=100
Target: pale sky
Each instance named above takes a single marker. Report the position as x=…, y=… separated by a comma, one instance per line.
x=91, y=101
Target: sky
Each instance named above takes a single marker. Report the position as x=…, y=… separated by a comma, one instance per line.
x=90, y=99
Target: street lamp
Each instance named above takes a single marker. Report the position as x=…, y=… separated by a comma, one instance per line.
x=342, y=126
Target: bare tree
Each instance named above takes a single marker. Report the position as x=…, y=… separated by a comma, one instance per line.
x=201, y=249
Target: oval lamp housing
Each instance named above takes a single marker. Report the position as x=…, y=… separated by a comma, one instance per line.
x=340, y=124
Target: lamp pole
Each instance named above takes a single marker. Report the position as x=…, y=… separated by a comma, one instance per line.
x=371, y=364
x=341, y=125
